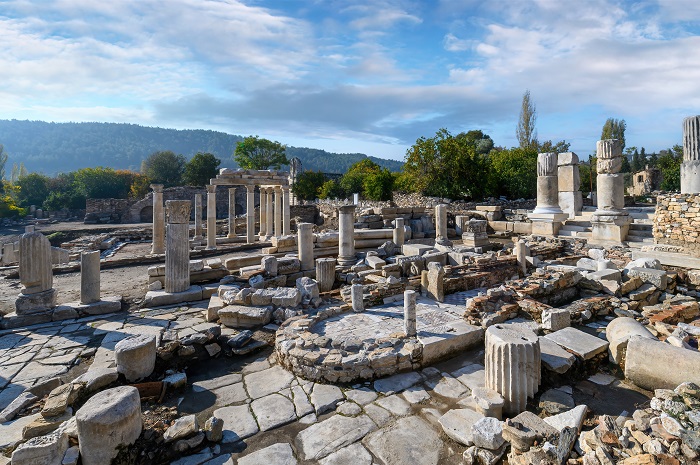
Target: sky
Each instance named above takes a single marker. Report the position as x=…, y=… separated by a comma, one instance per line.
x=368, y=76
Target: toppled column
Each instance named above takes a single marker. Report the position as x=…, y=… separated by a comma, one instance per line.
x=610, y=221
x=346, y=226
x=436, y=282
x=198, y=217
x=35, y=274
x=325, y=273
x=569, y=179
x=211, y=217
x=250, y=214
x=654, y=365
x=278, y=211
x=441, y=226
x=231, y=212
x=286, y=216
x=513, y=366
x=90, y=277
x=158, y=246
x=177, y=257
x=522, y=251
x=475, y=233
x=690, y=167
x=547, y=217
x=263, y=212
x=305, y=245
x=358, y=305
x=409, y=313
x=618, y=334
x=399, y=231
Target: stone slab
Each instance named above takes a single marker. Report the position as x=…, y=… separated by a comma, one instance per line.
x=458, y=423
x=162, y=298
x=554, y=358
x=273, y=411
x=582, y=344
x=397, y=383
x=265, y=382
x=459, y=337
x=354, y=454
x=409, y=440
x=239, y=423
x=325, y=397
x=276, y=454
x=323, y=438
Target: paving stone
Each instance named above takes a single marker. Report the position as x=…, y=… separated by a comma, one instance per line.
x=35, y=370
x=325, y=397
x=555, y=401
x=397, y=383
x=361, y=396
x=273, y=411
x=448, y=387
x=472, y=375
x=196, y=459
x=409, y=440
x=415, y=395
x=232, y=394
x=98, y=378
x=239, y=423
x=41, y=450
x=11, y=432
x=349, y=409
x=354, y=454
x=394, y=404
x=265, y=382
x=23, y=400
x=302, y=405
x=554, y=358
x=276, y=454
x=378, y=415
x=218, y=382
x=321, y=439
x=457, y=424
x=582, y=344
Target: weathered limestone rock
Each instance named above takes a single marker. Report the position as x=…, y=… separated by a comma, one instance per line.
x=325, y=273
x=346, y=226
x=690, y=167
x=436, y=282
x=305, y=243
x=269, y=264
x=35, y=275
x=555, y=319
x=214, y=429
x=512, y=366
x=409, y=313
x=158, y=246
x=89, y=277
x=488, y=402
x=653, y=364
x=277, y=454
x=238, y=316
x=458, y=423
x=610, y=220
x=356, y=292
x=547, y=217
x=181, y=428
x=44, y=450
x=110, y=419
x=136, y=356
x=488, y=433
x=619, y=332
x=177, y=257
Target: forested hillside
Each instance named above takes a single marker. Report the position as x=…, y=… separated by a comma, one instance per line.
x=51, y=148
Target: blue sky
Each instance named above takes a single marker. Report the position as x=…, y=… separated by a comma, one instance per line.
x=358, y=75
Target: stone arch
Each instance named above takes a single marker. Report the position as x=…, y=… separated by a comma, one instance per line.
x=240, y=209
x=146, y=214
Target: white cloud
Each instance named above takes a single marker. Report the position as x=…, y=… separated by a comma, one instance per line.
x=453, y=44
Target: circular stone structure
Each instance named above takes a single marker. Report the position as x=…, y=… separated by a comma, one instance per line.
x=338, y=345
x=136, y=356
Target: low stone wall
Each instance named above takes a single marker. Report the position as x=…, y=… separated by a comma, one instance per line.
x=677, y=221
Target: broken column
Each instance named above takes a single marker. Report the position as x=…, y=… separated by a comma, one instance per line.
x=232, y=212
x=475, y=233
x=399, y=232
x=690, y=167
x=136, y=356
x=325, y=273
x=90, y=277
x=652, y=364
x=358, y=305
x=547, y=217
x=436, y=282
x=177, y=257
x=211, y=217
x=610, y=222
x=158, y=220
x=619, y=332
x=409, y=313
x=198, y=217
x=522, y=251
x=286, y=219
x=305, y=245
x=278, y=211
x=569, y=180
x=35, y=274
x=250, y=214
x=346, y=226
x=441, y=226
x=512, y=365
x=263, y=212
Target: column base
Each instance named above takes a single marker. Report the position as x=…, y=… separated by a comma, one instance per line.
x=609, y=229
x=547, y=224
x=26, y=304
x=690, y=177
x=347, y=260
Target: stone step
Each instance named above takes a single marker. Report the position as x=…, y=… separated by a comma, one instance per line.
x=572, y=227
x=638, y=239
x=641, y=227
x=582, y=223
x=567, y=233
x=585, y=235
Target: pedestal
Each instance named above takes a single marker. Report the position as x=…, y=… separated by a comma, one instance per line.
x=325, y=273
x=346, y=225
x=547, y=224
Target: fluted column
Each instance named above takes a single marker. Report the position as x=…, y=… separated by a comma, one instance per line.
x=269, y=228
x=325, y=273
x=610, y=222
x=286, y=227
x=263, y=212
x=513, y=366
x=278, y=211
x=305, y=245
x=158, y=220
x=211, y=217
x=690, y=167
x=547, y=217
x=250, y=214
x=232, y=212
x=346, y=226
x=177, y=256
x=90, y=277
x=198, y=217
x=35, y=274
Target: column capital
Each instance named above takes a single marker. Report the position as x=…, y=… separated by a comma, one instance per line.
x=211, y=188
x=157, y=188
x=251, y=189
x=178, y=211
x=277, y=189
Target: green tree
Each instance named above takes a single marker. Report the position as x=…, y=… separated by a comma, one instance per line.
x=526, y=131
x=308, y=185
x=103, y=183
x=63, y=193
x=653, y=160
x=670, y=166
x=200, y=169
x=378, y=185
x=8, y=201
x=614, y=129
x=3, y=162
x=548, y=147
x=331, y=190
x=33, y=189
x=514, y=172
x=164, y=168
x=254, y=153
x=636, y=164
x=354, y=180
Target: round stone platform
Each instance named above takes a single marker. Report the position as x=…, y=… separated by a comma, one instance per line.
x=342, y=346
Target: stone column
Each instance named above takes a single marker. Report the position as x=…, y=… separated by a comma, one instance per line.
x=263, y=212
x=358, y=305
x=690, y=167
x=232, y=212
x=177, y=257
x=610, y=221
x=269, y=213
x=569, y=180
x=547, y=217
x=158, y=220
x=90, y=277
x=409, y=313
x=399, y=231
x=436, y=281
x=513, y=366
x=286, y=219
x=211, y=217
x=325, y=273
x=441, y=223
x=198, y=217
x=35, y=274
x=305, y=245
x=346, y=226
x=278, y=211
x=522, y=251
x=250, y=214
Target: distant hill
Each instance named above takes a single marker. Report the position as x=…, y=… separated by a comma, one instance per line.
x=51, y=148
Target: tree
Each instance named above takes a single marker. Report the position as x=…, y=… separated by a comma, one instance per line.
x=653, y=160
x=3, y=162
x=200, y=169
x=103, y=183
x=353, y=181
x=378, y=185
x=636, y=164
x=164, y=168
x=63, y=193
x=308, y=185
x=254, y=153
x=548, y=147
x=526, y=132
x=33, y=189
x=331, y=190
x=614, y=129
x=670, y=166
x=514, y=172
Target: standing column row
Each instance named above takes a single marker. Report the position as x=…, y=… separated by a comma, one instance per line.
x=211, y=217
